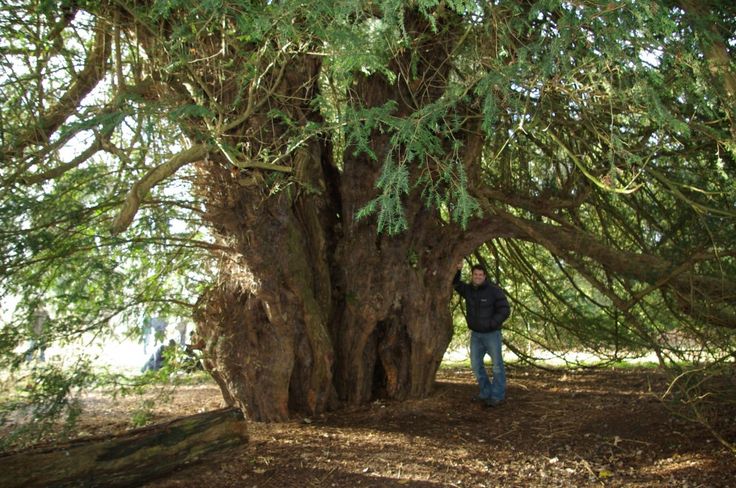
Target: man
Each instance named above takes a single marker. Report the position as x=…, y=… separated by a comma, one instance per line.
x=38, y=334
x=181, y=328
x=486, y=308
x=153, y=327
x=159, y=357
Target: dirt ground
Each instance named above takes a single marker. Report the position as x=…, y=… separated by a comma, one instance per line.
x=590, y=428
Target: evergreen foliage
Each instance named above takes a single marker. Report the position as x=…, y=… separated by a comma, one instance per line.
x=613, y=119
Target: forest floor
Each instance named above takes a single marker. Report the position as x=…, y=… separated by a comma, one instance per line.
x=557, y=428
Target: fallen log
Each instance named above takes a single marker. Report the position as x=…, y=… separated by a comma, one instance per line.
x=127, y=459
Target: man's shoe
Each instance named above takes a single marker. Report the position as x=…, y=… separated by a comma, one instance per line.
x=491, y=402
x=479, y=399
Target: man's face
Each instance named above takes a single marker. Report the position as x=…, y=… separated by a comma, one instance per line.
x=478, y=277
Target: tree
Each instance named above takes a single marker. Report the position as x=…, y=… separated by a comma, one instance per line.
x=345, y=155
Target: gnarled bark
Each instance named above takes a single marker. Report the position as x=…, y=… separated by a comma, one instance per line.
x=312, y=307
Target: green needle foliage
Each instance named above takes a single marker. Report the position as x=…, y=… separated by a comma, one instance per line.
x=599, y=136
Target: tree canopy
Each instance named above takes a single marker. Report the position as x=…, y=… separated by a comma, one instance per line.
x=588, y=148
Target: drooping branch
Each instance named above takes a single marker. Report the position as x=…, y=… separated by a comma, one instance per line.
x=677, y=193
x=710, y=297
x=153, y=177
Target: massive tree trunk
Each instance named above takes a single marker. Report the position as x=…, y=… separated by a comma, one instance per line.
x=266, y=321
x=309, y=310
x=311, y=307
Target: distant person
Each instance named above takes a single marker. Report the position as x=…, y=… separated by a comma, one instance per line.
x=486, y=309
x=157, y=359
x=153, y=328
x=146, y=333
x=39, y=328
x=181, y=329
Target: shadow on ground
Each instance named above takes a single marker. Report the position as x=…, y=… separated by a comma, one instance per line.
x=592, y=428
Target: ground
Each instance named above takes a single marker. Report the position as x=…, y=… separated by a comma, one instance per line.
x=557, y=428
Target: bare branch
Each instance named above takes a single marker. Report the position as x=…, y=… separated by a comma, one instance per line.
x=152, y=178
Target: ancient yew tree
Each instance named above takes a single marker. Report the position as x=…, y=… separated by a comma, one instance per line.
x=332, y=161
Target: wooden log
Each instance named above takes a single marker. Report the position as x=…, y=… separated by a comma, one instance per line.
x=127, y=459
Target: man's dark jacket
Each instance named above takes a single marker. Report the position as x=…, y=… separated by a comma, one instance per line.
x=486, y=307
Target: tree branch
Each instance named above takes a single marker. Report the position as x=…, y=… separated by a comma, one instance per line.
x=94, y=70
x=95, y=147
x=700, y=294
x=152, y=178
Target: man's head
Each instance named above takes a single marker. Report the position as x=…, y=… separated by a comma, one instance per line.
x=479, y=275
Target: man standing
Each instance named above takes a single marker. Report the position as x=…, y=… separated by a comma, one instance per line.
x=153, y=327
x=486, y=308
x=38, y=333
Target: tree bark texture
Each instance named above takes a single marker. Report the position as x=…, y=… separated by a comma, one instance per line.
x=128, y=459
x=313, y=308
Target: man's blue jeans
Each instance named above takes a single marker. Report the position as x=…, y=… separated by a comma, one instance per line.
x=482, y=343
